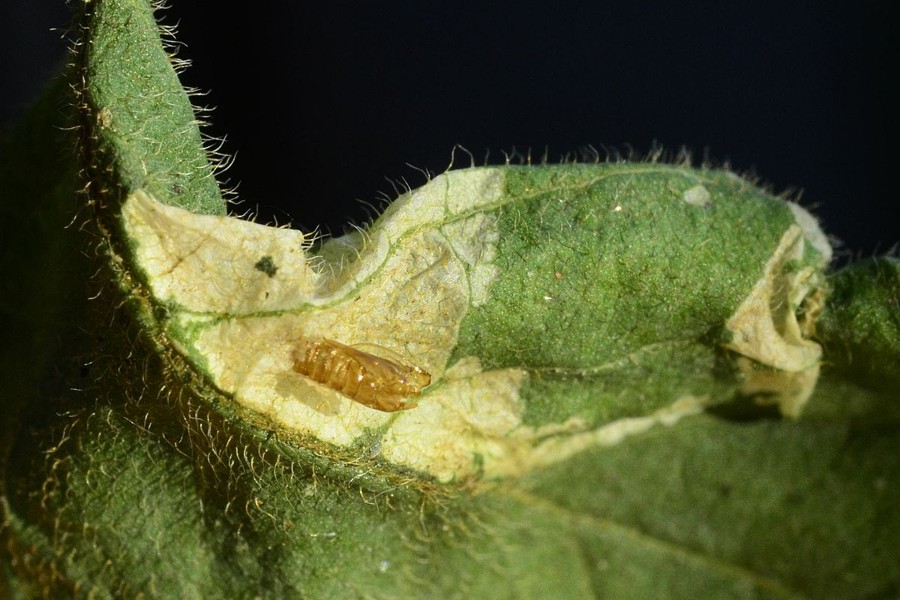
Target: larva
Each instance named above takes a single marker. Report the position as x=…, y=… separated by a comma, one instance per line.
x=371, y=380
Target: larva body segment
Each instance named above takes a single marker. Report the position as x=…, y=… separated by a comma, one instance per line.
x=371, y=380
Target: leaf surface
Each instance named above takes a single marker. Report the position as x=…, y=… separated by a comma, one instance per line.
x=630, y=393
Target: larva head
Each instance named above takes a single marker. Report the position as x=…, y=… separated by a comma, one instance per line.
x=416, y=379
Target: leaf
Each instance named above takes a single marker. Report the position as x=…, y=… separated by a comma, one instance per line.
x=863, y=323
x=528, y=294
x=611, y=348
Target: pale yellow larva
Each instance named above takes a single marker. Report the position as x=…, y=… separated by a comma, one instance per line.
x=371, y=380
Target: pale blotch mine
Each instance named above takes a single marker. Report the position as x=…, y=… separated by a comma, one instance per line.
x=475, y=428
x=765, y=328
x=404, y=286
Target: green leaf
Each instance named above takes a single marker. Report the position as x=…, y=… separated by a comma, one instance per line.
x=632, y=393
x=862, y=325
x=138, y=126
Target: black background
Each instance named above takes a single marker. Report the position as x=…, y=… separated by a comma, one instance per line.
x=323, y=106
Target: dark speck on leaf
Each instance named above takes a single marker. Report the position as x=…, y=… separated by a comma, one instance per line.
x=266, y=265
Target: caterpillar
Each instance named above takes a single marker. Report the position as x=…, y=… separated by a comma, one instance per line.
x=371, y=380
